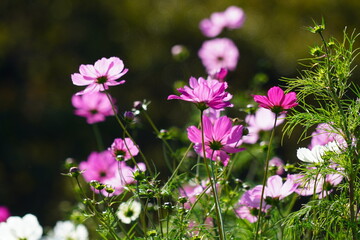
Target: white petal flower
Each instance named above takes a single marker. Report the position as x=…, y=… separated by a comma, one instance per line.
x=129, y=211
x=311, y=156
x=68, y=230
x=16, y=228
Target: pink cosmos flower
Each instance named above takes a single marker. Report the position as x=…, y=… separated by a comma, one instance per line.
x=276, y=189
x=221, y=138
x=100, y=76
x=262, y=120
x=4, y=213
x=205, y=93
x=219, y=53
x=99, y=166
x=331, y=180
x=276, y=100
x=93, y=106
x=249, y=204
x=123, y=150
x=233, y=17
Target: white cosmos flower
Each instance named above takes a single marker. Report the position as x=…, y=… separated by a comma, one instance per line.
x=129, y=211
x=68, y=230
x=16, y=228
x=311, y=156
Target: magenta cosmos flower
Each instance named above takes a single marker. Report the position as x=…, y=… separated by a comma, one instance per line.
x=93, y=106
x=99, y=166
x=219, y=53
x=4, y=213
x=276, y=100
x=205, y=93
x=220, y=138
x=100, y=76
x=123, y=149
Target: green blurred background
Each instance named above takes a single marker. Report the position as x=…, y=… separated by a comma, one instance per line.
x=42, y=42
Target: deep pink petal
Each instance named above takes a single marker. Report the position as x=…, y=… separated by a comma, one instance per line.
x=194, y=134
x=276, y=96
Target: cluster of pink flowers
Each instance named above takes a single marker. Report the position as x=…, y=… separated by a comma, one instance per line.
x=91, y=103
x=232, y=18
x=108, y=167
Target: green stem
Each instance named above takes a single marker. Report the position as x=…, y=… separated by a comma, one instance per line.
x=258, y=226
x=98, y=137
x=126, y=132
x=217, y=203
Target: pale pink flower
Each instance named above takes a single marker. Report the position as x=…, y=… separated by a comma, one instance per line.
x=205, y=93
x=99, y=166
x=123, y=150
x=213, y=26
x=100, y=76
x=233, y=17
x=331, y=180
x=276, y=100
x=262, y=120
x=276, y=189
x=249, y=205
x=219, y=53
x=93, y=106
x=220, y=138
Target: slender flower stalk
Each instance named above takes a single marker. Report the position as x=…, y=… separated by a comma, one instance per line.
x=217, y=203
x=258, y=226
x=126, y=132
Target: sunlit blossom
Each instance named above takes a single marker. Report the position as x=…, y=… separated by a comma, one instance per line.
x=99, y=166
x=220, y=138
x=129, y=211
x=248, y=206
x=205, y=93
x=94, y=107
x=219, y=53
x=17, y=228
x=100, y=76
x=123, y=149
x=276, y=189
x=276, y=100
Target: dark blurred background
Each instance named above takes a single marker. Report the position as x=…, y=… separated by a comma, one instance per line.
x=42, y=42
